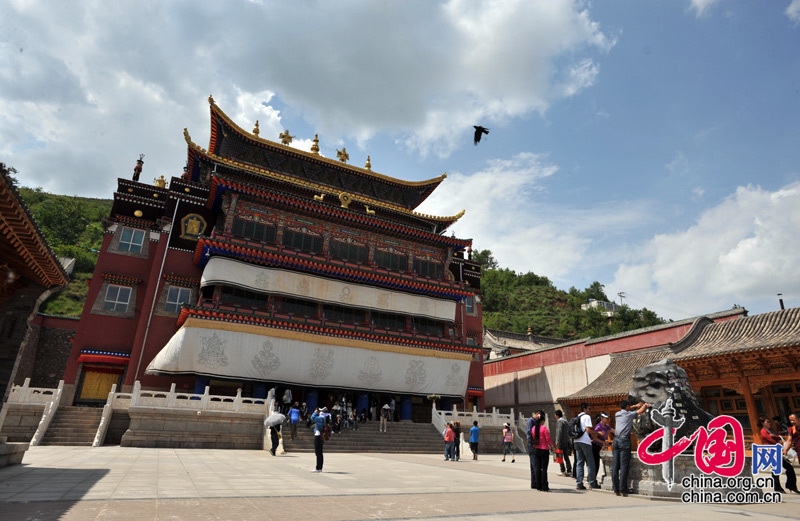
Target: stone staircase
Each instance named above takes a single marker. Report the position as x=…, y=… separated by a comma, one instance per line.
x=73, y=426
x=404, y=437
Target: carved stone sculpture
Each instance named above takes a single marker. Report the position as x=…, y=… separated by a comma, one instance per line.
x=655, y=384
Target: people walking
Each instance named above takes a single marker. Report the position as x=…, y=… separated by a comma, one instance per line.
x=603, y=429
x=294, y=419
x=287, y=401
x=531, y=423
x=320, y=419
x=621, y=448
x=457, y=441
x=563, y=443
x=770, y=436
x=474, y=437
x=542, y=445
x=508, y=442
x=583, y=450
x=385, y=412
x=449, y=440
x=275, y=438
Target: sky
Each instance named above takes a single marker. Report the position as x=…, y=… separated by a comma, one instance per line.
x=651, y=146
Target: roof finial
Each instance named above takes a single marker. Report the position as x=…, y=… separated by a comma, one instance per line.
x=342, y=155
x=368, y=166
x=315, y=146
x=255, y=129
x=211, y=99
x=160, y=182
x=286, y=139
x=137, y=170
x=530, y=332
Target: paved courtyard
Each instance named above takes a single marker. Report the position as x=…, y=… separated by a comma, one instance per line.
x=80, y=483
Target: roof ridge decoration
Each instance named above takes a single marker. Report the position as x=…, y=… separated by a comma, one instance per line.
x=322, y=189
x=316, y=156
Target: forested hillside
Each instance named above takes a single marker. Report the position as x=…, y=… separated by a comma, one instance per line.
x=73, y=227
x=513, y=301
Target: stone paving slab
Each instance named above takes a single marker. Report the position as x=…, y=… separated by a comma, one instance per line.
x=106, y=483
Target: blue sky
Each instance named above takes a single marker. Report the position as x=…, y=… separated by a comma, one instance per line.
x=652, y=146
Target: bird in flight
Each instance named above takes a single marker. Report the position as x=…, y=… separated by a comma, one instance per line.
x=478, y=132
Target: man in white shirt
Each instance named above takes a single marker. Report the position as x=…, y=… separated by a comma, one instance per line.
x=583, y=449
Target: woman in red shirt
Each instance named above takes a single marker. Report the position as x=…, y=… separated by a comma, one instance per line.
x=542, y=445
x=770, y=437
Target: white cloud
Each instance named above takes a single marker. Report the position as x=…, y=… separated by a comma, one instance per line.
x=92, y=84
x=742, y=251
x=701, y=7
x=793, y=11
x=508, y=212
x=679, y=164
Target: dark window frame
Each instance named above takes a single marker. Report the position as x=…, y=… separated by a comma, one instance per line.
x=261, y=232
x=429, y=269
x=391, y=261
x=349, y=251
x=302, y=241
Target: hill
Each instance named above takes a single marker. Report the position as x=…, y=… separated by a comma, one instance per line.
x=73, y=227
x=514, y=301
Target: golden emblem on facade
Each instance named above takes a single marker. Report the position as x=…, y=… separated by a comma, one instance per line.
x=342, y=155
x=192, y=226
x=160, y=182
x=345, y=199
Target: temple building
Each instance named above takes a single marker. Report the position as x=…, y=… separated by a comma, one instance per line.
x=266, y=266
x=738, y=365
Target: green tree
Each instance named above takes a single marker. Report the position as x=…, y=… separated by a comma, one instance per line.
x=61, y=219
x=485, y=259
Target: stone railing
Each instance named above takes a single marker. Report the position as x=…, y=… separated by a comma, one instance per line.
x=49, y=413
x=484, y=419
x=199, y=402
x=31, y=395
x=105, y=419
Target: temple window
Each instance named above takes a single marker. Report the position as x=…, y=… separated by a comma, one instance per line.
x=389, y=321
x=351, y=252
x=469, y=304
x=295, y=306
x=253, y=230
x=432, y=270
x=471, y=341
x=302, y=241
x=242, y=297
x=117, y=298
x=428, y=326
x=392, y=261
x=131, y=240
x=344, y=314
x=176, y=297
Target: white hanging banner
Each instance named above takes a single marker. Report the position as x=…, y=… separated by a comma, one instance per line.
x=250, y=352
x=230, y=272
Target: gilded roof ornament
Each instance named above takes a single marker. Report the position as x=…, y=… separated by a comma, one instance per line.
x=211, y=99
x=255, y=129
x=342, y=155
x=315, y=146
x=160, y=182
x=286, y=139
x=368, y=166
x=345, y=199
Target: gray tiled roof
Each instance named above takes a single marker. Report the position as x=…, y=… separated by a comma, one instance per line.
x=756, y=333
x=617, y=379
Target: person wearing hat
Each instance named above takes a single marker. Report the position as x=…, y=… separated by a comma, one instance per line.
x=320, y=419
x=385, y=412
x=603, y=429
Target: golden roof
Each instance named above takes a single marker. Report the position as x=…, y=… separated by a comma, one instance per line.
x=314, y=186
x=363, y=171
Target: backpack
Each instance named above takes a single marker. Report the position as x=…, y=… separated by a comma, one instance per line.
x=574, y=428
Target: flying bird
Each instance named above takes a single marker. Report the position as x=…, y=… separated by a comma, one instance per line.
x=478, y=132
